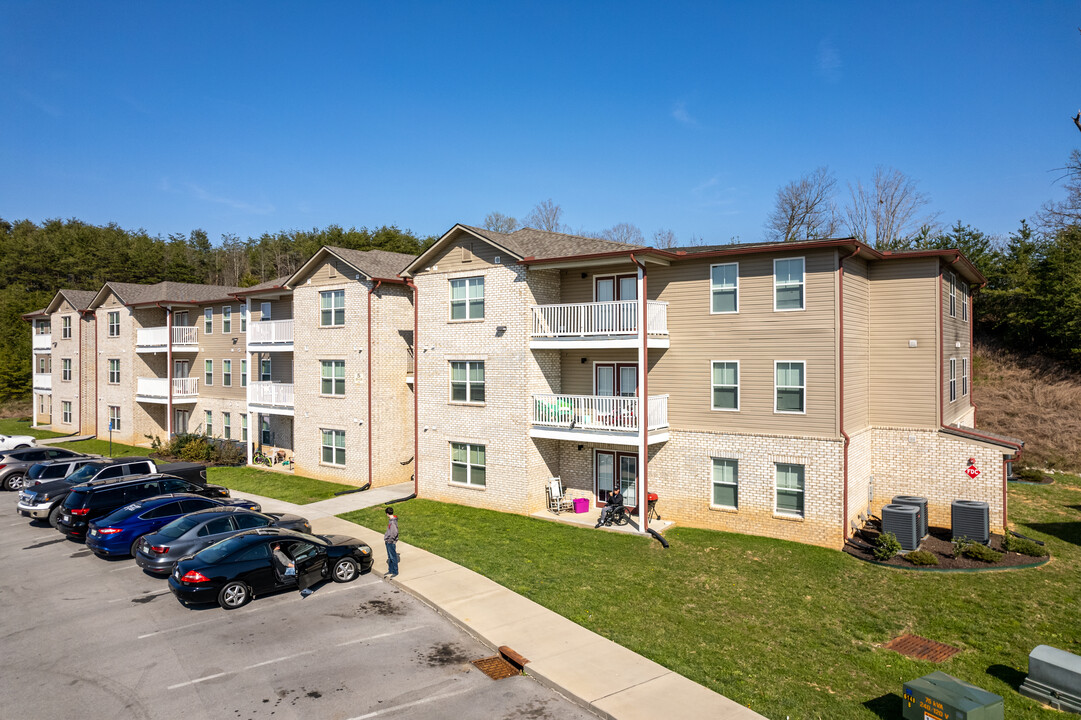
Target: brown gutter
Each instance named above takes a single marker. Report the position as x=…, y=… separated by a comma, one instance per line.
x=370, y=291
x=643, y=373
x=841, y=360
x=532, y=260
x=416, y=404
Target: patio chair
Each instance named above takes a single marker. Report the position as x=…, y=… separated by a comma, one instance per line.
x=557, y=500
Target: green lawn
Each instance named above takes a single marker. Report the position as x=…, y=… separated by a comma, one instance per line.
x=290, y=488
x=787, y=629
x=10, y=426
x=98, y=446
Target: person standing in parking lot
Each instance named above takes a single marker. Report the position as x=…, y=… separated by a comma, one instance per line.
x=390, y=539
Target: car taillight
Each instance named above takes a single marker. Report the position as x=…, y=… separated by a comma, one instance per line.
x=194, y=576
x=2, y=466
x=80, y=511
x=160, y=549
x=110, y=531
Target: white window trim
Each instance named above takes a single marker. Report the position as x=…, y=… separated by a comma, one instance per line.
x=332, y=378
x=244, y=318
x=450, y=299
x=114, y=418
x=953, y=380
x=210, y=382
x=331, y=308
x=65, y=412
x=109, y=370
x=244, y=372
x=952, y=305
x=244, y=427
x=109, y=323
x=711, y=289
x=65, y=327
x=270, y=370
x=265, y=311
x=803, y=492
x=208, y=423
x=964, y=377
x=227, y=317
x=803, y=284
x=226, y=426
x=227, y=373
x=468, y=465
x=65, y=369
x=775, y=386
x=332, y=448
x=211, y=330
x=468, y=384
x=739, y=387
x=713, y=482
x=964, y=302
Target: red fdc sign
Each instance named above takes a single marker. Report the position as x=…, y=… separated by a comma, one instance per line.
x=972, y=472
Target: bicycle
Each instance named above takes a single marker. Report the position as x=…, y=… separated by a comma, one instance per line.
x=261, y=458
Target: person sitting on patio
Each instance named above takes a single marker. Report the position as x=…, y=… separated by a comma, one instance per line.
x=615, y=501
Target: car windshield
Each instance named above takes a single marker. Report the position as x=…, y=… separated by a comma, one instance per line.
x=218, y=551
x=86, y=472
x=180, y=526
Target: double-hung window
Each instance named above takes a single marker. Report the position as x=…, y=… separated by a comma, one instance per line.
x=208, y=423
x=243, y=373
x=467, y=381
x=332, y=308
x=724, y=288
x=114, y=417
x=725, y=483
x=964, y=302
x=725, y=385
x=964, y=377
x=334, y=447
x=43, y=364
x=467, y=464
x=65, y=327
x=333, y=377
x=243, y=318
x=790, y=387
x=114, y=371
x=467, y=298
x=226, y=320
x=952, y=281
x=208, y=320
x=227, y=425
x=264, y=311
x=243, y=427
x=264, y=370
x=65, y=412
x=208, y=373
x=953, y=379
x=790, y=489
x=788, y=284
x=65, y=369
x=114, y=323
x=227, y=374
x=265, y=436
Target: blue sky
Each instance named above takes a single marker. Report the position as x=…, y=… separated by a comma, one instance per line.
x=245, y=118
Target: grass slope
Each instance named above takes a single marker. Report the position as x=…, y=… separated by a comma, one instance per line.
x=12, y=426
x=787, y=629
x=290, y=488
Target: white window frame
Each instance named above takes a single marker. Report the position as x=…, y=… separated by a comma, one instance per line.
x=265, y=311
x=244, y=373
x=713, y=386
x=469, y=383
x=43, y=365
x=964, y=377
x=113, y=318
x=953, y=293
x=208, y=321
x=226, y=373
x=802, y=284
x=467, y=300
x=778, y=411
x=266, y=437
x=964, y=302
x=953, y=379
x=65, y=412
x=244, y=318
x=333, y=309
x=227, y=319
x=468, y=464
x=713, y=482
x=227, y=426
x=208, y=372
x=269, y=374
x=65, y=327
x=243, y=427
x=114, y=417
x=323, y=364
x=208, y=423
x=111, y=373
x=777, y=489
x=65, y=369
x=334, y=447
x=714, y=289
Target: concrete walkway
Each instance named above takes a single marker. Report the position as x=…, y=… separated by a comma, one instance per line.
x=597, y=673
x=66, y=438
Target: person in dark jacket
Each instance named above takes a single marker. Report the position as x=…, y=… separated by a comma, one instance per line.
x=390, y=539
x=615, y=501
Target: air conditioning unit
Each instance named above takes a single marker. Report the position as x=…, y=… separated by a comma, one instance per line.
x=921, y=503
x=904, y=522
x=971, y=519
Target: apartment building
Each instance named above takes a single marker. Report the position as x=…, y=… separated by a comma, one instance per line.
x=785, y=390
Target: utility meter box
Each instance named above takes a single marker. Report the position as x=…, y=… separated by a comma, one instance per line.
x=939, y=696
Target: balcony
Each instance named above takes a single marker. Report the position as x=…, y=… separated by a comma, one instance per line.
x=270, y=335
x=597, y=325
x=185, y=339
x=43, y=343
x=43, y=382
x=271, y=398
x=156, y=390
x=595, y=418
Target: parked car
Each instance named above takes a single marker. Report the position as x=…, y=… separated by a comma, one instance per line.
x=45, y=500
x=99, y=498
x=13, y=442
x=118, y=533
x=14, y=464
x=159, y=551
x=239, y=568
x=50, y=470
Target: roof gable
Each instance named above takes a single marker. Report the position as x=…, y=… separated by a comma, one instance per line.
x=372, y=264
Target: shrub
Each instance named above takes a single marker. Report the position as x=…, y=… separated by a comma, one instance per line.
x=921, y=557
x=202, y=449
x=1030, y=475
x=1022, y=546
x=976, y=551
x=959, y=545
x=887, y=546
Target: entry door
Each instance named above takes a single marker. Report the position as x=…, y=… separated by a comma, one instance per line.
x=615, y=379
x=611, y=467
x=180, y=422
x=180, y=319
x=181, y=368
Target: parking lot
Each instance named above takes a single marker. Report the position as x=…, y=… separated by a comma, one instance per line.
x=100, y=639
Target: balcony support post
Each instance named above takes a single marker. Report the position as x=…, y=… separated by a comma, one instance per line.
x=252, y=426
x=169, y=371
x=643, y=398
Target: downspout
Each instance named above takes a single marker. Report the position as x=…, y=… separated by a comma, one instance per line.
x=34, y=327
x=79, y=316
x=168, y=371
x=370, y=292
x=841, y=361
x=416, y=382
x=643, y=401
x=253, y=424
x=96, y=400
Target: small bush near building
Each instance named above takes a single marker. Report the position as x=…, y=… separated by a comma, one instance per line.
x=980, y=552
x=1023, y=546
x=887, y=546
x=921, y=557
x=1030, y=475
x=199, y=448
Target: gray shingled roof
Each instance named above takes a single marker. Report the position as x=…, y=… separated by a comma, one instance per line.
x=374, y=263
x=973, y=433
x=268, y=285
x=79, y=299
x=168, y=291
x=692, y=249
x=541, y=244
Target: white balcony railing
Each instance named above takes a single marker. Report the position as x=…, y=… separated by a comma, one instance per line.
x=595, y=412
x=43, y=381
x=185, y=387
x=43, y=343
x=619, y=317
x=271, y=394
x=154, y=337
x=159, y=387
x=185, y=335
x=270, y=332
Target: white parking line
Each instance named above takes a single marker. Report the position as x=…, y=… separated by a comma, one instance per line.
x=380, y=635
x=24, y=521
x=271, y=662
x=182, y=627
x=423, y=701
x=126, y=567
x=233, y=672
x=202, y=679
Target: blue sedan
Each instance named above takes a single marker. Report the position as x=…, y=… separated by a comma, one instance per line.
x=119, y=533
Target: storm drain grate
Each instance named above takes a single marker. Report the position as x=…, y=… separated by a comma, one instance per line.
x=921, y=648
x=496, y=667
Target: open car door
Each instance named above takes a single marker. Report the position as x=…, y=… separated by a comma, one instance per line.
x=310, y=561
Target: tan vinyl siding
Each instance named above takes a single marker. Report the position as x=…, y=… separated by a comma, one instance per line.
x=903, y=308
x=330, y=272
x=576, y=289
x=955, y=344
x=577, y=377
x=756, y=336
x=857, y=311
x=280, y=309
x=217, y=347
x=465, y=253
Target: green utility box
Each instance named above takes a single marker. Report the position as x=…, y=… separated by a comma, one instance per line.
x=939, y=696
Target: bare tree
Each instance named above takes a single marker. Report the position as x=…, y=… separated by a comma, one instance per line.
x=546, y=216
x=624, y=233
x=805, y=209
x=886, y=214
x=1055, y=215
x=500, y=223
x=664, y=238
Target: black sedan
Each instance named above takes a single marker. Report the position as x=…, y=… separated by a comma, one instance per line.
x=235, y=570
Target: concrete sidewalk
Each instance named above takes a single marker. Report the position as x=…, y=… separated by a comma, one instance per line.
x=599, y=674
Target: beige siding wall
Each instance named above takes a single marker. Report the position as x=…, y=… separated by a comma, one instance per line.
x=218, y=346
x=467, y=253
x=955, y=346
x=903, y=308
x=857, y=347
x=280, y=308
x=577, y=289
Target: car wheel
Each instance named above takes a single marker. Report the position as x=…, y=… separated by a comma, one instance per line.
x=21, y=447
x=234, y=595
x=14, y=481
x=54, y=515
x=135, y=545
x=345, y=570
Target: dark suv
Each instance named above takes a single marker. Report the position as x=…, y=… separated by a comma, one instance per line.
x=99, y=498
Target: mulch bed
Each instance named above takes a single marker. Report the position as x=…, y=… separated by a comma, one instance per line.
x=938, y=542
x=1044, y=480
